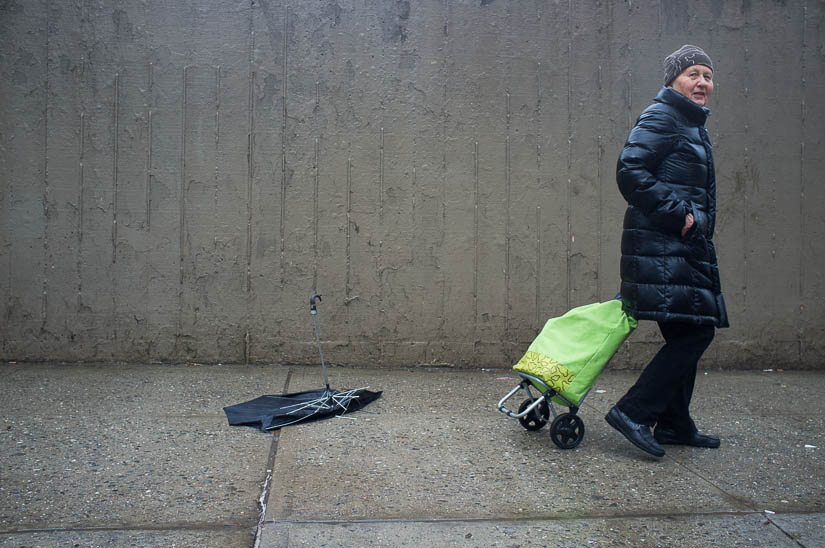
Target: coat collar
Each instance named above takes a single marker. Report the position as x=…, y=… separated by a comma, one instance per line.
x=688, y=108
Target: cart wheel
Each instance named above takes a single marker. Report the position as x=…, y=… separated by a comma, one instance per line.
x=537, y=418
x=567, y=430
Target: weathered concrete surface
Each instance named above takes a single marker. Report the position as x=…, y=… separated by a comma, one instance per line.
x=176, y=179
x=124, y=456
x=433, y=463
x=723, y=531
x=141, y=455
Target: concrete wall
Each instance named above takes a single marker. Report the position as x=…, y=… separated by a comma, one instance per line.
x=179, y=177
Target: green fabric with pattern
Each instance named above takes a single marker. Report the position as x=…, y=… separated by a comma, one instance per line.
x=571, y=351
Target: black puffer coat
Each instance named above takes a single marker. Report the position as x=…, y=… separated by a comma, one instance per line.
x=665, y=171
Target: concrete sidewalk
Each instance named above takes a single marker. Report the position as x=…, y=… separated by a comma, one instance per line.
x=143, y=456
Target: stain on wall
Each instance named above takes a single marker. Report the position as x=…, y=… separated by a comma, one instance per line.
x=176, y=180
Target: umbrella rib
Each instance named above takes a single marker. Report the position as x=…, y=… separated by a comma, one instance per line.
x=329, y=401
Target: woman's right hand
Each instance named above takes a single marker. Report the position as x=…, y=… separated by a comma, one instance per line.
x=689, y=220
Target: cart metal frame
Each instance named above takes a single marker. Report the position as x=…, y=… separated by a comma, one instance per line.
x=566, y=429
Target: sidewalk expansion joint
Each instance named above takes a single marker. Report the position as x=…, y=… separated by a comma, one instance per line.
x=270, y=466
x=157, y=527
x=782, y=530
x=732, y=497
x=526, y=519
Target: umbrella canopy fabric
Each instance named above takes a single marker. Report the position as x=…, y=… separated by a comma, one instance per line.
x=276, y=411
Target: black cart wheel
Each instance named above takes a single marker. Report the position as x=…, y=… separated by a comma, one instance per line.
x=535, y=419
x=567, y=430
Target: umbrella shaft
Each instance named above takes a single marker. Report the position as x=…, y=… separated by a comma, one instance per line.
x=318, y=342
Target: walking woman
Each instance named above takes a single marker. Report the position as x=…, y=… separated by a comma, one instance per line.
x=669, y=271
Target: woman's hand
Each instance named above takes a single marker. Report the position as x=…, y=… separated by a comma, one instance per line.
x=688, y=223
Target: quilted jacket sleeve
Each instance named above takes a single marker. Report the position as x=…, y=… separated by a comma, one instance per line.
x=637, y=173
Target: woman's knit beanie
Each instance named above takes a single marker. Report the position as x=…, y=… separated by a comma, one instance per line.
x=683, y=58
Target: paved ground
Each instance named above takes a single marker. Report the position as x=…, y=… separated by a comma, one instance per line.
x=94, y=456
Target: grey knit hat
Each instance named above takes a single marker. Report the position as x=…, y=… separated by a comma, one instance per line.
x=683, y=58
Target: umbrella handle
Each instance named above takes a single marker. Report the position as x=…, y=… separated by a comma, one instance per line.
x=312, y=302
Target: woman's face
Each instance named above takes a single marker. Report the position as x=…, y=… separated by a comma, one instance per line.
x=695, y=83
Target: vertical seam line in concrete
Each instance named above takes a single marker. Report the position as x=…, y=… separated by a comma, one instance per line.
x=414, y=191
x=599, y=228
x=380, y=257
x=475, y=246
x=81, y=191
x=149, y=105
x=746, y=191
x=115, y=173
x=181, y=207
x=539, y=137
x=284, y=97
x=538, y=269
x=599, y=174
x=629, y=87
x=182, y=189
x=217, y=131
x=45, y=286
x=347, y=288
x=250, y=167
x=381, y=180
x=149, y=168
x=315, y=200
x=115, y=162
x=444, y=76
x=802, y=224
x=250, y=164
x=659, y=17
x=507, y=235
x=569, y=147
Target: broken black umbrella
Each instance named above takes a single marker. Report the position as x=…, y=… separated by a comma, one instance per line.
x=276, y=411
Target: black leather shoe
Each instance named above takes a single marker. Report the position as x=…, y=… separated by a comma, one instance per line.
x=637, y=434
x=667, y=436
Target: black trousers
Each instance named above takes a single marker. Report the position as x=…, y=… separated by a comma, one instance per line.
x=661, y=395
